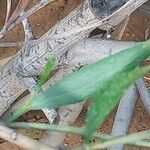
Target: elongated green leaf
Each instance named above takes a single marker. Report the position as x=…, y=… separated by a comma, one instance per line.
x=46, y=72
x=108, y=97
x=81, y=85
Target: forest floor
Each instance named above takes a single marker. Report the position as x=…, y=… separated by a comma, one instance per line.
x=42, y=21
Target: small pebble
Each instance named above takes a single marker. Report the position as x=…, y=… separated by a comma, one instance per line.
x=108, y=36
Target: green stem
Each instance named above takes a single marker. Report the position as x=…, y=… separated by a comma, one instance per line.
x=17, y=114
x=23, y=109
x=59, y=128
x=131, y=139
x=143, y=143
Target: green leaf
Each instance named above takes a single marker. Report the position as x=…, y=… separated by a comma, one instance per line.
x=104, y=100
x=82, y=84
x=46, y=72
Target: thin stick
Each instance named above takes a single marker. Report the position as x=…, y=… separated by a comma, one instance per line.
x=22, y=4
x=8, y=10
x=119, y=31
x=20, y=7
x=38, y=6
x=144, y=93
x=74, y=31
x=27, y=28
x=21, y=140
x=124, y=115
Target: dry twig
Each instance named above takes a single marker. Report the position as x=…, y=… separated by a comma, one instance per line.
x=16, y=19
x=8, y=11
x=144, y=93
x=21, y=140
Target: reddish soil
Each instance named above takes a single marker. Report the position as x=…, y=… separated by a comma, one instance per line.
x=44, y=20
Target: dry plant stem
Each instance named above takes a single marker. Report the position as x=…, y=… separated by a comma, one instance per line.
x=90, y=50
x=19, y=8
x=144, y=93
x=105, y=24
x=8, y=10
x=68, y=115
x=124, y=115
x=35, y=8
x=27, y=28
x=21, y=140
x=119, y=31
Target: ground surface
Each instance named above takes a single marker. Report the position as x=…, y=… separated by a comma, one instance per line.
x=41, y=22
